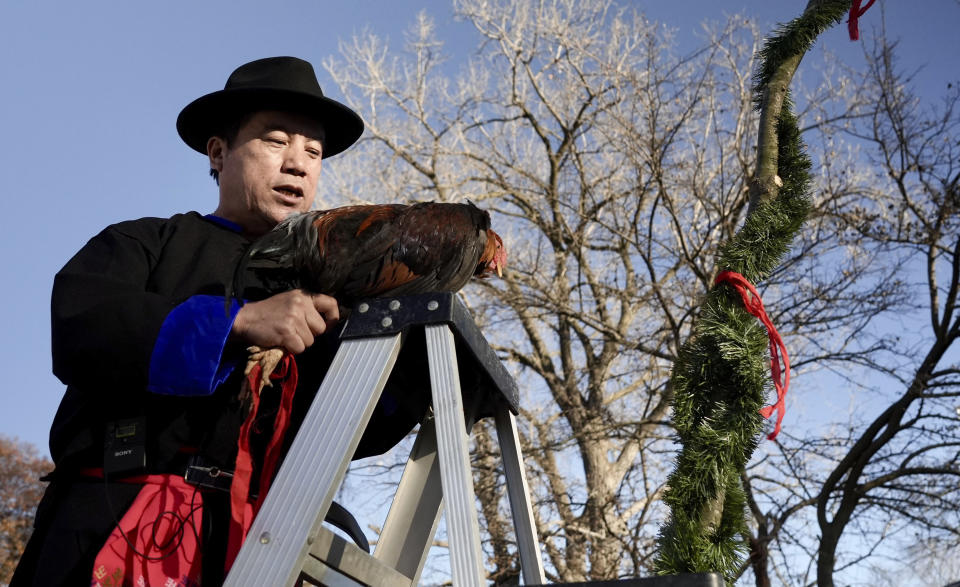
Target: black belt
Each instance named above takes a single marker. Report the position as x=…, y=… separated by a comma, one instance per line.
x=208, y=477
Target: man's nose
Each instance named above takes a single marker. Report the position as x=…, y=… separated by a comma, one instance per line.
x=295, y=161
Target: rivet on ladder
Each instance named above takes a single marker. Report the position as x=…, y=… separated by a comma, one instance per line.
x=394, y=305
x=265, y=538
x=432, y=305
x=363, y=307
x=386, y=322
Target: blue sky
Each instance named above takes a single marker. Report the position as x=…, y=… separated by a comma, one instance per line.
x=91, y=90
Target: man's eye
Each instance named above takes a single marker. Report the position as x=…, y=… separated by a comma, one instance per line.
x=314, y=152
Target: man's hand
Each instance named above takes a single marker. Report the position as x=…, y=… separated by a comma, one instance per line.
x=290, y=320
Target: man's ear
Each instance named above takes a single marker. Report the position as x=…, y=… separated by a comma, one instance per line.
x=216, y=148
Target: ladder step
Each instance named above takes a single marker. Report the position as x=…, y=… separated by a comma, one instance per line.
x=317, y=574
x=334, y=552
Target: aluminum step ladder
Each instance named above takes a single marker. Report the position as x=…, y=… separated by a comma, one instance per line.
x=287, y=541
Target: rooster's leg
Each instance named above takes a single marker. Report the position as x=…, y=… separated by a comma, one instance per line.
x=268, y=359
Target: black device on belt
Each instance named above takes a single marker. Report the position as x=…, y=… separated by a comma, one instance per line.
x=125, y=447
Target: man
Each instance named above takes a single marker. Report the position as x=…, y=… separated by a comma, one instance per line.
x=147, y=350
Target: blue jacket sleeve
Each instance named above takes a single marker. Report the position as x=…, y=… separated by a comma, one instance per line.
x=186, y=359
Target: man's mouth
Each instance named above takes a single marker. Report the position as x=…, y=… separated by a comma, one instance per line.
x=288, y=190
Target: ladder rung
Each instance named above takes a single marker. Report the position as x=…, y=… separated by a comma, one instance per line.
x=347, y=558
x=317, y=574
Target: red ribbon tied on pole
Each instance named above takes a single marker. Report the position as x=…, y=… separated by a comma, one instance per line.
x=754, y=305
x=855, y=13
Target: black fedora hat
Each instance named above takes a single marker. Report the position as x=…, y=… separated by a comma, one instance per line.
x=274, y=83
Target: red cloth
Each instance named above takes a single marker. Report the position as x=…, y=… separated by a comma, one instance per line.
x=754, y=305
x=242, y=510
x=157, y=542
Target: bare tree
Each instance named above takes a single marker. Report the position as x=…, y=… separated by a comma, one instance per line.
x=905, y=464
x=615, y=169
x=885, y=478
x=927, y=562
x=20, y=492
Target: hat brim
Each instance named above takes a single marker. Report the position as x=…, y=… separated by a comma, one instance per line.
x=206, y=116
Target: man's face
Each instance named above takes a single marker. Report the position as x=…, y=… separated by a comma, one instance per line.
x=270, y=171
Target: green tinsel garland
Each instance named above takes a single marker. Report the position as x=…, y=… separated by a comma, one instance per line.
x=722, y=374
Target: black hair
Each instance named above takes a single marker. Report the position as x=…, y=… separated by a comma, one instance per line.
x=228, y=132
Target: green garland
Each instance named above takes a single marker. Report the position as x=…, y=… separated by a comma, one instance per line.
x=722, y=374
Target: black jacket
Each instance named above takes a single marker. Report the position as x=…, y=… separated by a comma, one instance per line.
x=109, y=304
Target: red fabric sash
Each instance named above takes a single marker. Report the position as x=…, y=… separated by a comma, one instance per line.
x=242, y=510
x=157, y=542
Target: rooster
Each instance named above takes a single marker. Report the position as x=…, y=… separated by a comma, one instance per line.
x=374, y=250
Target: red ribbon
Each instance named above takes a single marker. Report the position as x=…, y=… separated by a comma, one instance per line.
x=777, y=349
x=855, y=13
x=242, y=511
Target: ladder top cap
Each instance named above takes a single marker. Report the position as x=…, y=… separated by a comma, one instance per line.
x=390, y=315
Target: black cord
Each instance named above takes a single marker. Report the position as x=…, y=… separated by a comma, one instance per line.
x=183, y=522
